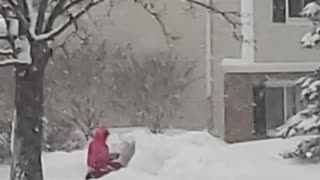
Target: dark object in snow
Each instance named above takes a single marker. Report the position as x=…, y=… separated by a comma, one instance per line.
x=112, y=166
x=306, y=150
x=114, y=156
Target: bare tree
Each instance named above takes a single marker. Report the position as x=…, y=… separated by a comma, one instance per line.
x=147, y=90
x=31, y=26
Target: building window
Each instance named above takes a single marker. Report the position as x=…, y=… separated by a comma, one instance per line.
x=288, y=11
x=279, y=11
x=275, y=103
x=295, y=7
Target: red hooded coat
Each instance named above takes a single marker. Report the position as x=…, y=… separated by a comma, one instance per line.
x=98, y=153
x=100, y=161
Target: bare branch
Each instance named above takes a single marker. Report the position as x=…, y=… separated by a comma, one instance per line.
x=215, y=10
x=111, y=6
x=68, y=37
x=157, y=16
x=72, y=18
x=227, y=15
x=64, y=43
x=41, y=16
x=57, y=10
x=22, y=14
x=72, y=4
x=24, y=9
x=19, y=55
x=10, y=60
x=13, y=2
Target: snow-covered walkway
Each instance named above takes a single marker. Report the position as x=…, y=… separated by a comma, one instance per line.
x=188, y=156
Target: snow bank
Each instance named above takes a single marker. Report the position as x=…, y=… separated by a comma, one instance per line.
x=188, y=156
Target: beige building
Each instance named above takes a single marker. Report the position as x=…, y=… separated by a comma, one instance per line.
x=254, y=81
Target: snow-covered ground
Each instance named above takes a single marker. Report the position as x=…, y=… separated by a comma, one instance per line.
x=188, y=156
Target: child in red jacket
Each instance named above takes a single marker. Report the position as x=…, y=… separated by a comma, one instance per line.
x=100, y=161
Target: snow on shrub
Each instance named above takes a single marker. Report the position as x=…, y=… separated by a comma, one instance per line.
x=308, y=120
x=312, y=12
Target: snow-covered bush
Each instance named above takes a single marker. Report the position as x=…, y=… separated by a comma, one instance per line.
x=312, y=12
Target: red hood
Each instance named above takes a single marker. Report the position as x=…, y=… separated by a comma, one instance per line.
x=101, y=135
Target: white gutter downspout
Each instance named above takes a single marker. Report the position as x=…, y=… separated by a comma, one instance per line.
x=209, y=51
x=208, y=63
x=247, y=29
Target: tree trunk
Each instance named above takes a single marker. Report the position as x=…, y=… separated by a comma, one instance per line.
x=26, y=164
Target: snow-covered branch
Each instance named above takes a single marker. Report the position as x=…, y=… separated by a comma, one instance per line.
x=6, y=52
x=308, y=119
x=303, y=122
x=57, y=10
x=312, y=12
x=71, y=19
x=312, y=9
x=18, y=9
x=21, y=55
x=12, y=61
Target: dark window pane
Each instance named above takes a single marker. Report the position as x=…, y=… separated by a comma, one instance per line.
x=259, y=110
x=295, y=7
x=291, y=102
x=279, y=11
x=307, y=1
x=274, y=107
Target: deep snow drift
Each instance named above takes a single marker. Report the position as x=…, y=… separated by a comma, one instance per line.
x=187, y=156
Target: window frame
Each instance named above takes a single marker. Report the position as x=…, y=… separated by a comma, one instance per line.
x=285, y=84
x=299, y=21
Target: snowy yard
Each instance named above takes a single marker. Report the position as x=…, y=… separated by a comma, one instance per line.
x=187, y=156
